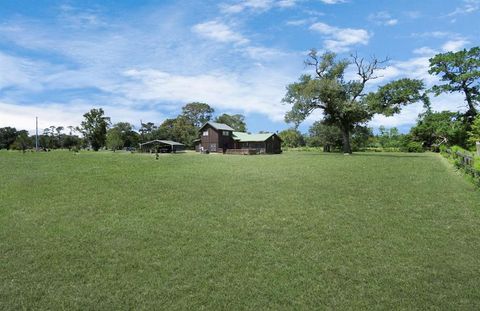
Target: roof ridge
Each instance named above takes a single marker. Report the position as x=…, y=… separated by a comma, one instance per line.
x=218, y=126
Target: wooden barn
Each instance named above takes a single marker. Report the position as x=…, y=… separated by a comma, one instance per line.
x=218, y=137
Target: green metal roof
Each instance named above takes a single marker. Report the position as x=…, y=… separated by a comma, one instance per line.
x=218, y=126
x=245, y=137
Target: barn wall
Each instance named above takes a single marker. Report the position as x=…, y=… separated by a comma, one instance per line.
x=271, y=145
x=259, y=146
x=226, y=141
x=217, y=138
x=208, y=141
x=276, y=144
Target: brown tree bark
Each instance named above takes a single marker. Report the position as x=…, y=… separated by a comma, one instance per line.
x=472, y=111
x=346, y=140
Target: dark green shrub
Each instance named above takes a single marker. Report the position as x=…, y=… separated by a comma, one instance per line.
x=476, y=163
x=457, y=148
x=442, y=149
x=413, y=146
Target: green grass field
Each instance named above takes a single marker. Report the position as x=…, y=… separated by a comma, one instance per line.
x=292, y=231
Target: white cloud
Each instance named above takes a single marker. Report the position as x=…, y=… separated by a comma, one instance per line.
x=391, y=22
x=455, y=41
x=260, y=90
x=340, y=39
x=333, y=1
x=85, y=18
x=414, y=68
x=409, y=114
x=286, y=3
x=255, y=5
x=21, y=72
x=383, y=18
x=297, y=22
x=59, y=114
x=469, y=6
x=23, y=116
x=406, y=117
x=454, y=45
x=220, y=32
x=301, y=22
x=425, y=51
x=139, y=74
x=434, y=34
x=413, y=14
x=263, y=53
x=17, y=69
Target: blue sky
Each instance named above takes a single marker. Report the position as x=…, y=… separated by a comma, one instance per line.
x=143, y=60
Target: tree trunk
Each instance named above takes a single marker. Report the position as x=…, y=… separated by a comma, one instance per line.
x=472, y=111
x=346, y=141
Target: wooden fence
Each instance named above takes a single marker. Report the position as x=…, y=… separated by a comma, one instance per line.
x=466, y=161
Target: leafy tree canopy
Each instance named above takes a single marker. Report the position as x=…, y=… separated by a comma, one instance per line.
x=94, y=128
x=461, y=73
x=389, y=137
x=474, y=133
x=179, y=129
x=324, y=135
x=292, y=138
x=390, y=98
x=437, y=128
x=7, y=136
x=236, y=121
x=23, y=141
x=126, y=133
x=197, y=113
x=114, y=139
x=330, y=136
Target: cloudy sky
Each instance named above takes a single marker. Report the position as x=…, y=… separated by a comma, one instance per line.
x=143, y=60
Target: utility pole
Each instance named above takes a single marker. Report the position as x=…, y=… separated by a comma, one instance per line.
x=36, y=133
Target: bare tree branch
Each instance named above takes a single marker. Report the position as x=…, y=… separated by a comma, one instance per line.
x=366, y=71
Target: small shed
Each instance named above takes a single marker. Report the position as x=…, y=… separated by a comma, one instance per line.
x=162, y=146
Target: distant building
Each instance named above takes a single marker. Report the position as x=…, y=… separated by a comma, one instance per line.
x=219, y=137
x=162, y=146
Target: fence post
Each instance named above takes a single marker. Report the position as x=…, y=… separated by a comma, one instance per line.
x=478, y=148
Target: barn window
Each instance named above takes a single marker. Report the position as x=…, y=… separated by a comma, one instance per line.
x=226, y=133
x=205, y=133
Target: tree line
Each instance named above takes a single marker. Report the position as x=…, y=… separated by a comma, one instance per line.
x=347, y=106
x=96, y=131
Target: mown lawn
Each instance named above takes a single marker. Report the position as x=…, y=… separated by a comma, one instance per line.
x=292, y=231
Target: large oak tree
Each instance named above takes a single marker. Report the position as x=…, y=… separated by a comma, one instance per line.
x=346, y=104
